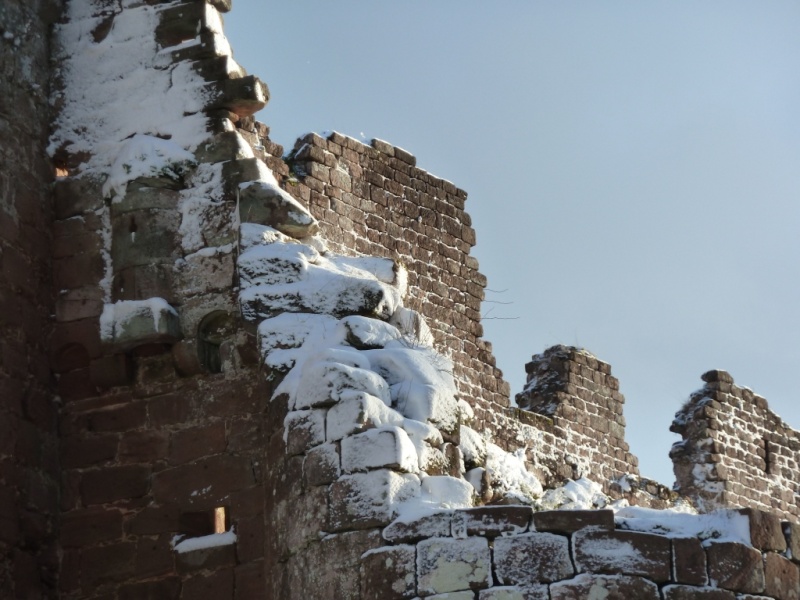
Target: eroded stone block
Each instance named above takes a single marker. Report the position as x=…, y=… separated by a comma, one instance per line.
x=389, y=573
x=388, y=447
x=449, y=565
x=586, y=586
x=365, y=500
x=736, y=567
x=627, y=552
x=532, y=558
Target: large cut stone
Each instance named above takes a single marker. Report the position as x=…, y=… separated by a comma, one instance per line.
x=625, y=552
x=388, y=573
x=616, y=587
x=532, y=558
x=736, y=567
x=364, y=500
x=449, y=565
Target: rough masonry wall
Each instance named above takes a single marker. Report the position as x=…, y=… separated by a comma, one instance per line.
x=735, y=451
x=28, y=445
x=161, y=423
x=374, y=200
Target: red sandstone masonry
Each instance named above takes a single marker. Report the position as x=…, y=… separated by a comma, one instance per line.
x=28, y=436
x=735, y=451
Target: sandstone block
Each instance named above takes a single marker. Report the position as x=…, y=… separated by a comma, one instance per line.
x=736, y=567
x=266, y=204
x=766, y=532
x=114, y=483
x=689, y=561
x=532, y=558
x=108, y=563
x=538, y=592
x=304, y=430
x=250, y=581
x=365, y=500
x=322, y=465
x=570, y=521
x=491, y=521
x=73, y=196
x=88, y=451
x=111, y=371
x=619, y=587
x=358, y=413
x=143, y=446
x=434, y=525
x=195, y=442
x=218, y=584
x=384, y=448
x=625, y=552
x=389, y=573
x=449, y=565
x=686, y=592
x=154, y=556
x=163, y=589
x=325, y=383
x=243, y=96
x=90, y=526
x=782, y=577
x=203, y=483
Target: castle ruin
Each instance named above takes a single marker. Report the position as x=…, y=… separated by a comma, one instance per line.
x=229, y=371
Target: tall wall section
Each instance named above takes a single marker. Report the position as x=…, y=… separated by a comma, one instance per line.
x=735, y=451
x=374, y=200
x=28, y=446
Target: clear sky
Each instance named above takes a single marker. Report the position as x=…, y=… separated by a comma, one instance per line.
x=632, y=169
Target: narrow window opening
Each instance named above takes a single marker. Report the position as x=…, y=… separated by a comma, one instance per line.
x=213, y=330
x=220, y=520
x=768, y=458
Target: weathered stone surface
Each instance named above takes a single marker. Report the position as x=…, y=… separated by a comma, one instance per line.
x=736, y=567
x=304, y=430
x=341, y=553
x=561, y=521
x=190, y=483
x=322, y=465
x=532, y=558
x=114, y=483
x=685, y=592
x=491, y=521
x=385, y=448
x=689, y=561
x=538, y=592
x=434, y=525
x=766, y=532
x=449, y=565
x=389, y=573
x=781, y=576
x=625, y=552
x=365, y=500
x=90, y=526
x=588, y=587
x=357, y=414
x=149, y=325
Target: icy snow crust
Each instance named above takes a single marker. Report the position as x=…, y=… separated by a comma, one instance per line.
x=204, y=542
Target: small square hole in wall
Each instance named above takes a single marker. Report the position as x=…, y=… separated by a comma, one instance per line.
x=196, y=524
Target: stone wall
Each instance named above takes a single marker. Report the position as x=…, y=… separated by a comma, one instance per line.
x=735, y=451
x=162, y=409
x=28, y=444
x=374, y=200
x=582, y=409
x=512, y=553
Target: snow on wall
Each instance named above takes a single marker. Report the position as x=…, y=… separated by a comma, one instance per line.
x=735, y=451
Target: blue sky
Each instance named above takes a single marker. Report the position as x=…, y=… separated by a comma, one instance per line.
x=632, y=169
